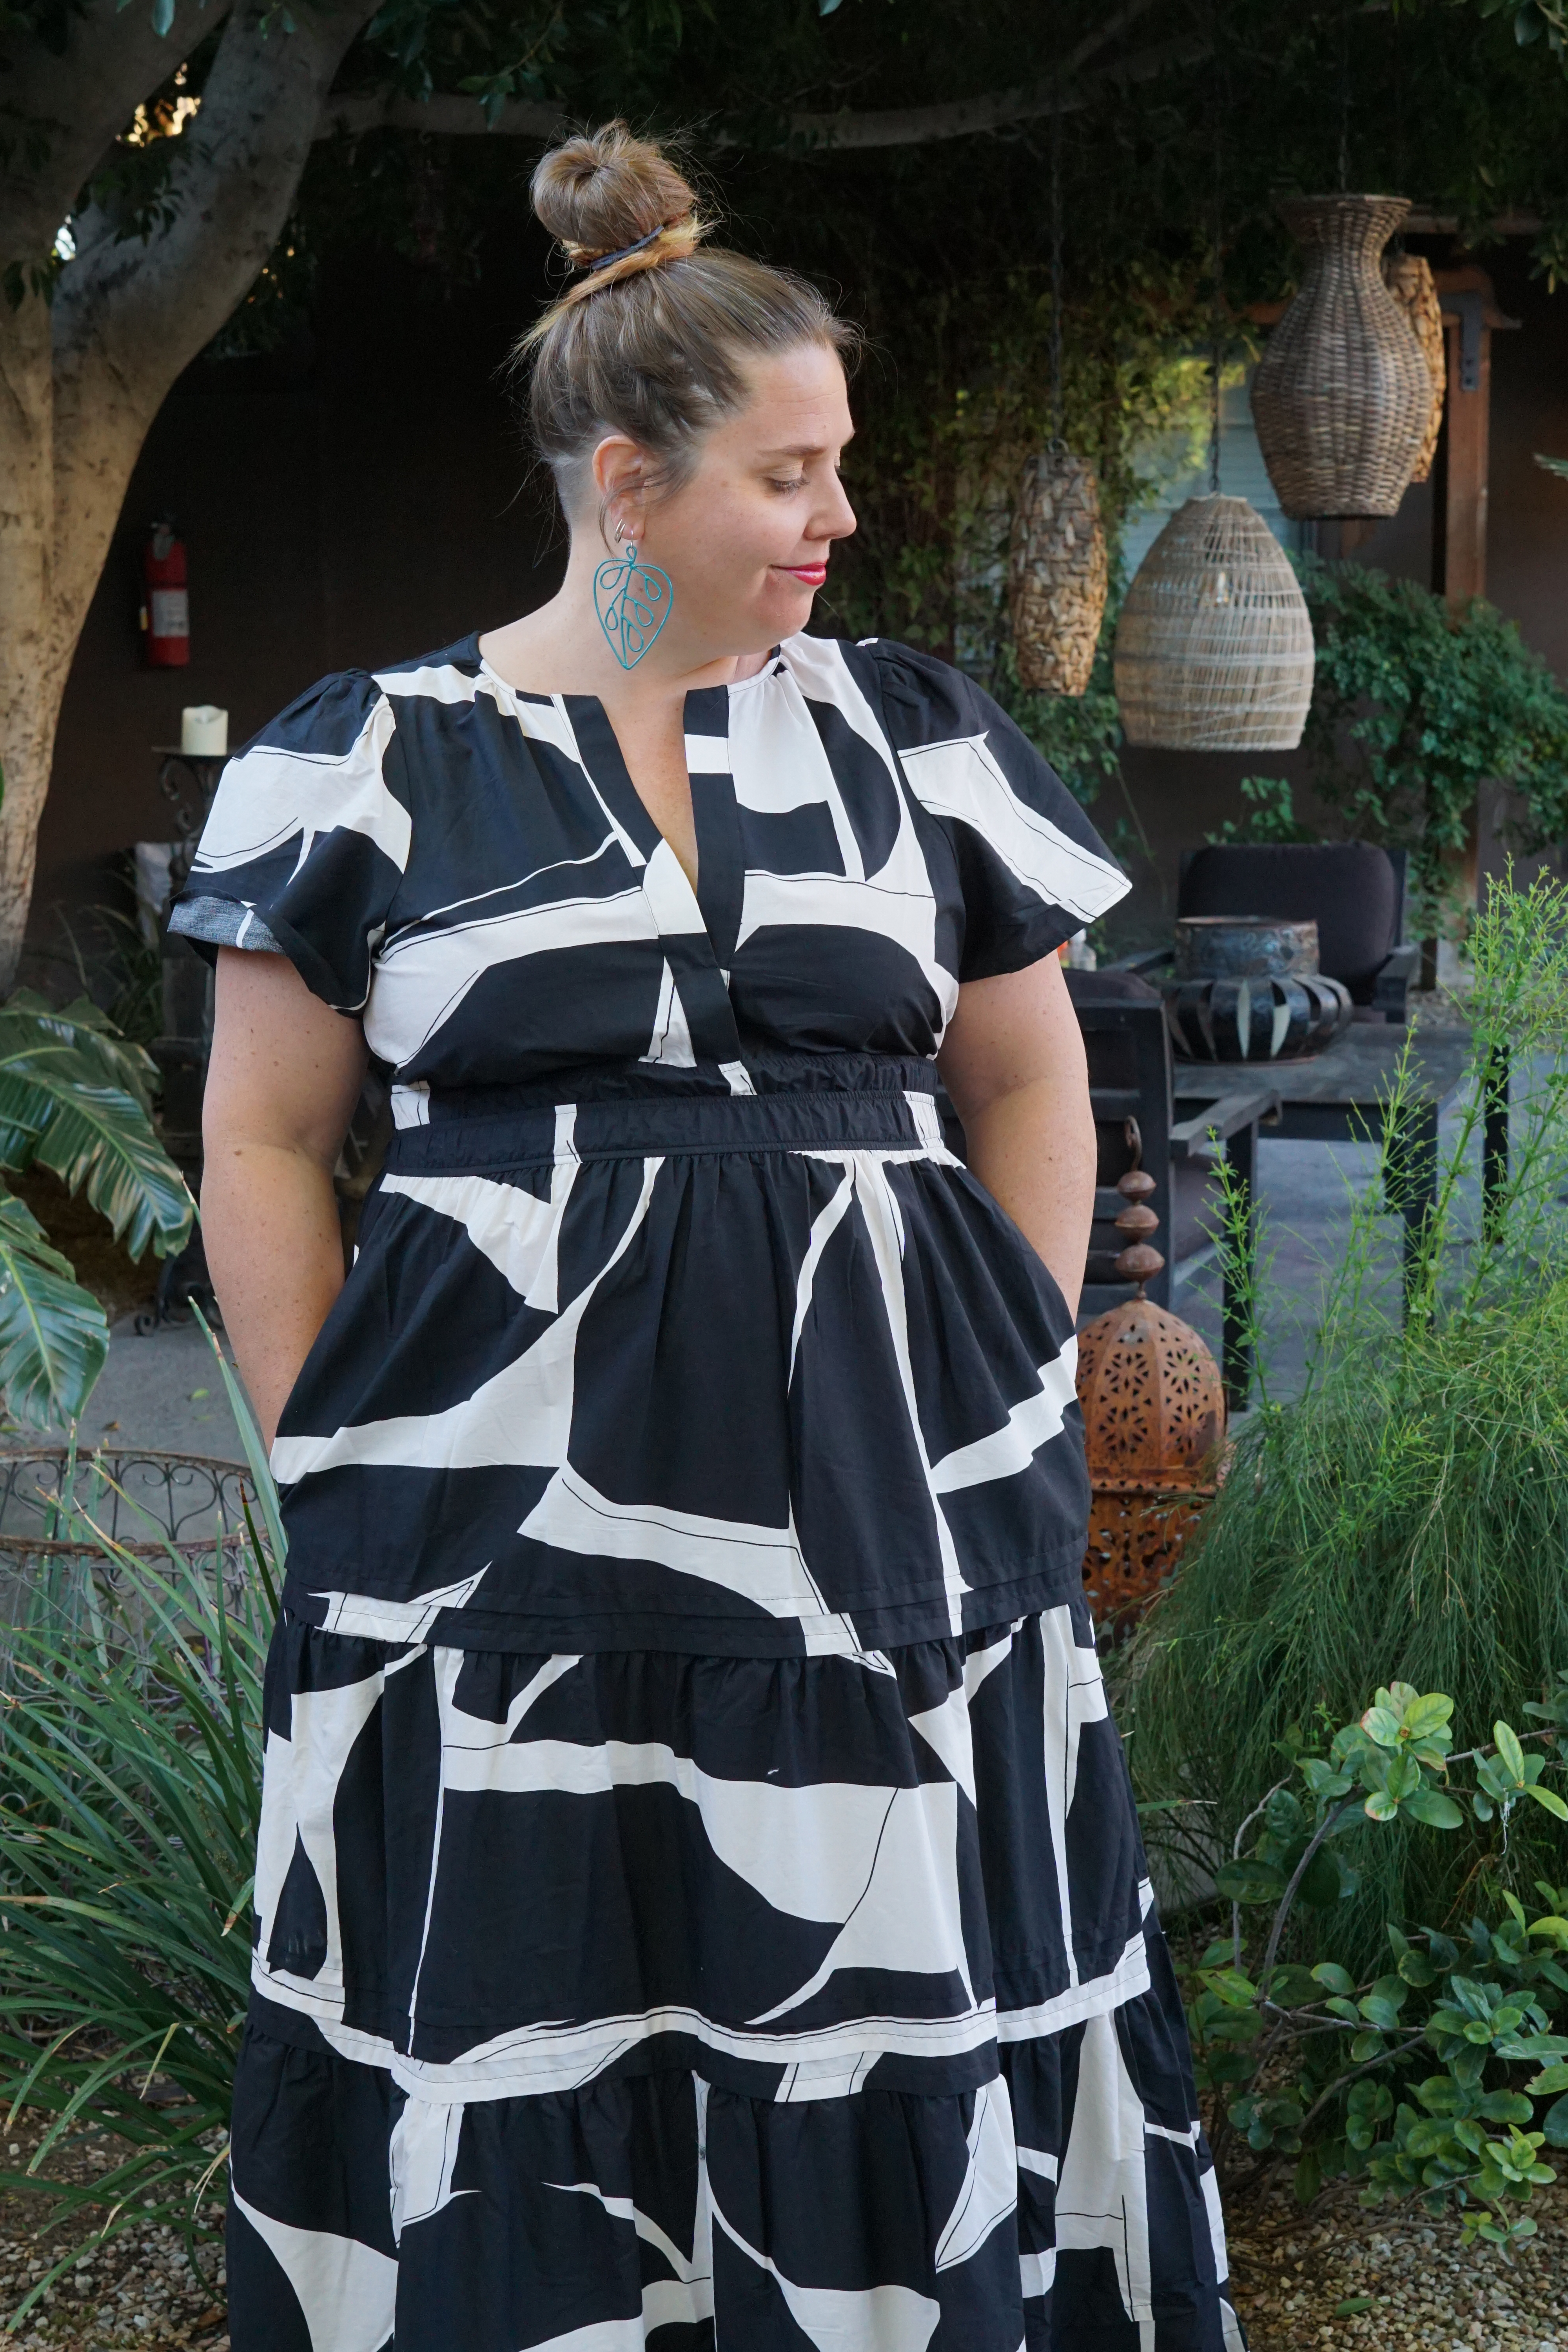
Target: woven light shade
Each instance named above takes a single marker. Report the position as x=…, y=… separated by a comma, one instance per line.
x=1342, y=395
x=1058, y=572
x=1409, y=280
x=1213, y=648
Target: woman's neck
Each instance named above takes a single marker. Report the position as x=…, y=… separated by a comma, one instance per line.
x=559, y=649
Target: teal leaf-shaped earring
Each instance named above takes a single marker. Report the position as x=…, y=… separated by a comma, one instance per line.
x=633, y=600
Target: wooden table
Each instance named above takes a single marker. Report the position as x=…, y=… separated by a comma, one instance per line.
x=1340, y=1097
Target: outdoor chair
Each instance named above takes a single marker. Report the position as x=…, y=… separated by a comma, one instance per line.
x=1354, y=891
x=1131, y=1094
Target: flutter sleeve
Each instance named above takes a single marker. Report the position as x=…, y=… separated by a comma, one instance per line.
x=1033, y=869
x=307, y=841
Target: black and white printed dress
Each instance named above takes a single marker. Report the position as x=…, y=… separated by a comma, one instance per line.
x=699, y=1899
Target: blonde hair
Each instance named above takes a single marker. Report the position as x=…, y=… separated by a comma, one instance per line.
x=652, y=341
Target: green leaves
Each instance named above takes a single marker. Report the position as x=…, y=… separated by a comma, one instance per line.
x=1289, y=2047
x=1250, y=1882
x=1431, y=1806
x=54, y=1337
x=1510, y=1774
x=131, y=1745
x=1427, y=706
x=74, y=1096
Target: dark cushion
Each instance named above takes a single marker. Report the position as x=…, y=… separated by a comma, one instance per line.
x=1109, y=988
x=1350, y=888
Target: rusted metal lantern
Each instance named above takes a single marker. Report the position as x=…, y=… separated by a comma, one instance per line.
x=1155, y=1419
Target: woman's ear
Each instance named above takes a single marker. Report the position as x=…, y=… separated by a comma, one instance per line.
x=620, y=474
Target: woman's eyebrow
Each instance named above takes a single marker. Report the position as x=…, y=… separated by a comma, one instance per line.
x=800, y=449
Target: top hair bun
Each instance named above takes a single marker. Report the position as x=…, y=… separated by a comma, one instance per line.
x=603, y=190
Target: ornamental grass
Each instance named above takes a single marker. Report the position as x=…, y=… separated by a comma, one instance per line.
x=1405, y=1515
x=131, y=1739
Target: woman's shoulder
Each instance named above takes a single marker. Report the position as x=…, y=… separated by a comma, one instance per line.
x=329, y=717
x=923, y=698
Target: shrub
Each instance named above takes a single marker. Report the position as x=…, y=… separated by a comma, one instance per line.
x=130, y=1744
x=1410, y=1503
x=1311, y=2063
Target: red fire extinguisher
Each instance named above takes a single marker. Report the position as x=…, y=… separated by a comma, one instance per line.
x=166, y=600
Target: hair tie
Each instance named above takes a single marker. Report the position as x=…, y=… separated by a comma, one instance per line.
x=673, y=239
x=581, y=258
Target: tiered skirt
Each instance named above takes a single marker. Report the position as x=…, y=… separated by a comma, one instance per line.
x=637, y=1998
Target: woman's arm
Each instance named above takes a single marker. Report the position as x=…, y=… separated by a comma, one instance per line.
x=1013, y=1060
x=285, y=1075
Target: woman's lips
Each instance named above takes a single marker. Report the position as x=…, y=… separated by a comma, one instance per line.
x=812, y=574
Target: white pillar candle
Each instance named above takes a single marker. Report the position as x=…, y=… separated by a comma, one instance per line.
x=203, y=730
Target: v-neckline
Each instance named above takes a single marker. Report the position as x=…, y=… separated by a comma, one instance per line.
x=715, y=895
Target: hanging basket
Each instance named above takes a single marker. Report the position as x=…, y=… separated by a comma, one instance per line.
x=1213, y=648
x=1409, y=280
x=1342, y=395
x=1058, y=572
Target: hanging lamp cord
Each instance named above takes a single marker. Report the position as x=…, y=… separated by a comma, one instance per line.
x=1216, y=320
x=1058, y=404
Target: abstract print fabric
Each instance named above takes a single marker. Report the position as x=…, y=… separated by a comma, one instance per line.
x=698, y=1902
x=694, y=2003
x=470, y=868
x=737, y=1374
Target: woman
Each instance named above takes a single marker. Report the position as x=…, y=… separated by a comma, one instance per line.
x=699, y=1900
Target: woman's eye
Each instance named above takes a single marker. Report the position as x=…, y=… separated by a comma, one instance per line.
x=799, y=483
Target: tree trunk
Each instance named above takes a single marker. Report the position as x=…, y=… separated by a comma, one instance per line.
x=82, y=379
x=31, y=671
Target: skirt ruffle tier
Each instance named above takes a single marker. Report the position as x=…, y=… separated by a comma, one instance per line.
x=644, y=1998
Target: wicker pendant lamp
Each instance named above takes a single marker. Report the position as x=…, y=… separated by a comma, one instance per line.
x=1342, y=396
x=1410, y=282
x=1213, y=648
x=1058, y=572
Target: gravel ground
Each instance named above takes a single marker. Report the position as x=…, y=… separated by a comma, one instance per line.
x=1406, y=2277
x=140, y=2290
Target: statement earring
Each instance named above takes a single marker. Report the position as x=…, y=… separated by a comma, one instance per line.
x=633, y=601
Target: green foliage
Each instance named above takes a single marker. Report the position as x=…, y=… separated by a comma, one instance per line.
x=54, y=1338
x=1413, y=710
x=1271, y=816
x=130, y=1742
x=1411, y=1502
x=1314, y=2064
x=104, y=955
x=75, y=1097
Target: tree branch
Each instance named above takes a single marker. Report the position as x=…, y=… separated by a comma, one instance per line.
x=62, y=112
x=129, y=315
x=451, y=116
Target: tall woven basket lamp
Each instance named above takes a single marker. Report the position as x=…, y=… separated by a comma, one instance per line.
x=1059, y=573
x=1153, y=1411
x=1342, y=395
x=1408, y=277
x=1213, y=645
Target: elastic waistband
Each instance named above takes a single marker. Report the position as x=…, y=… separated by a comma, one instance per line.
x=674, y=1126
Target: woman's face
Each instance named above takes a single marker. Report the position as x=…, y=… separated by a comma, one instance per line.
x=746, y=539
